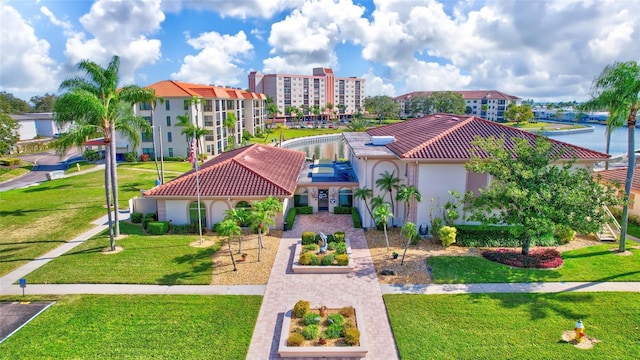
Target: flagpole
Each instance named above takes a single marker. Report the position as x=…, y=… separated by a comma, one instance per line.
x=195, y=164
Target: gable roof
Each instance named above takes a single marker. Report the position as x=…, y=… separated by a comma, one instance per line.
x=466, y=94
x=254, y=170
x=449, y=137
x=619, y=175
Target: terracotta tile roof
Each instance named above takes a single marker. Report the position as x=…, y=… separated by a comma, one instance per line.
x=466, y=94
x=449, y=137
x=255, y=170
x=620, y=176
x=172, y=88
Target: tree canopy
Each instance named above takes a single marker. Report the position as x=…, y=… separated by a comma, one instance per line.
x=532, y=190
x=449, y=102
x=383, y=106
x=12, y=105
x=519, y=113
x=9, y=135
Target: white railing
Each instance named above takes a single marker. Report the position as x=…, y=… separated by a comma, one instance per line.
x=310, y=140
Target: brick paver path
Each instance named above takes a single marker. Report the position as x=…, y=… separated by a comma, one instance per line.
x=359, y=288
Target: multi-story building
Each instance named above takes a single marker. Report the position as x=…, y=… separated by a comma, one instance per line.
x=212, y=106
x=488, y=104
x=305, y=91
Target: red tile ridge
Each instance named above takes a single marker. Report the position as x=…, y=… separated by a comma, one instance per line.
x=441, y=135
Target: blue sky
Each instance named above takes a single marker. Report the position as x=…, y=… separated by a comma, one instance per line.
x=546, y=50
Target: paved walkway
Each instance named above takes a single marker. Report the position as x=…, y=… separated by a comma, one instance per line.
x=359, y=288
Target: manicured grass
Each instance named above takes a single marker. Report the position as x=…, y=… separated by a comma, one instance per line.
x=544, y=126
x=138, y=327
x=594, y=263
x=84, y=165
x=7, y=174
x=633, y=230
x=169, y=166
x=513, y=326
x=37, y=219
x=161, y=260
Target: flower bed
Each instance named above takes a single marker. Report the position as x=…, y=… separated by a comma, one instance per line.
x=322, y=332
x=538, y=258
x=307, y=260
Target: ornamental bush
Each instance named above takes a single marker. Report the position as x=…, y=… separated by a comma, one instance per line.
x=291, y=218
x=537, y=258
x=347, y=311
x=331, y=246
x=339, y=236
x=327, y=260
x=342, y=259
x=310, y=247
x=341, y=248
x=308, y=237
x=136, y=217
x=357, y=220
x=342, y=210
x=305, y=258
x=315, y=260
x=295, y=339
x=335, y=319
x=333, y=331
x=158, y=227
x=447, y=235
x=311, y=332
x=311, y=318
x=496, y=236
x=564, y=234
x=352, y=336
x=300, y=308
x=304, y=210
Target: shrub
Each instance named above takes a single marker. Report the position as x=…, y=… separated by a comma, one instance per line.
x=342, y=210
x=308, y=237
x=331, y=246
x=145, y=222
x=91, y=155
x=564, y=234
x=447, y=235
x=157, y=227
x=10, y=161
x=184, y=229
x=330, y=239
x=357, y=220
x=291, y=218
x=537, y=258
x=327, y=260
x=300, y=308
x=496, y=236
x=317, y=238
x=352, y=336
x=311, y=318
x=333, y=331
x=310, y=247
x=436, y=225
x=295, y=339
x=336, y=319
x=136, y=217
x=130, y=156
x=415, y=239
x=305, y=258
x=339, y=236
x=151, y=216
x=304, y=210
x=342, y=259
x=311, y=332
x=315, y=260
x=347, y=311
x=341, y=248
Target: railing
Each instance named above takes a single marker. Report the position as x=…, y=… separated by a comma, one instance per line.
x=310, y=140
x=612, y=219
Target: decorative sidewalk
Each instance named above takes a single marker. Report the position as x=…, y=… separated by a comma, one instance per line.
x=359, y=288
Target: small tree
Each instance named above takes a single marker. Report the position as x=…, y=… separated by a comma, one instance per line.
x=407, y=193
x=240, y=216
x=9, y=135
x=230, y=124
x=409, y=230
x=387, y=183
x=229, y=228
x=533, y=192
x=382, y=213
x=364, y=194
x=262, y=216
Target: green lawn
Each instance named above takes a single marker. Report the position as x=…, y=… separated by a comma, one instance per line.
x=37, y=219
x=513, y=326
x=176, y=167
x=84, y=165
x=160, y=260
x=595, y=263
x=8, y=173
x=543, y=126
x=138, y=327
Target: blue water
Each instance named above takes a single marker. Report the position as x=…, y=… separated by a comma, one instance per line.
x=597, y=141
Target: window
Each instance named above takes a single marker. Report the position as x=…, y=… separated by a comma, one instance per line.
x=148, y=151
x=186, y=105
x=208, y=120
x=167, y=106
x=345, y=198
x=243, y=205
x=302, y=199
x=169, y=136
x=193, y=213
x=145, y=106
x=168, y=120
x=171, y=152
x=144, y=136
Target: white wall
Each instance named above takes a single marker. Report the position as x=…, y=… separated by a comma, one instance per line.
x=434, y=182
x=27, y=129
x=178, y=211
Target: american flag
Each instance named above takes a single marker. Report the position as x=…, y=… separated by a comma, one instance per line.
x=192, y=154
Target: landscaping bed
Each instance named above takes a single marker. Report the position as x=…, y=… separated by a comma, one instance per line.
x=333, y=268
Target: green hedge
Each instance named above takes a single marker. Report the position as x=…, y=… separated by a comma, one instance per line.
x=10, y=161
x=342, y=210
x=357, y=220
x=158, y=227
x=185, y=229
x=495, y=236
x=339, y=236
x=136, y=217
x=304, y=210
x=291, y=218
x=308, y=237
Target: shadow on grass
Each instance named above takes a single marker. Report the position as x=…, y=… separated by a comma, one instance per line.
x=542, y=305
x=199, y=266
x=566, y=256
x=47, y=187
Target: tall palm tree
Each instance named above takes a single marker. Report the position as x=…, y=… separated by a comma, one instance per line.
x=240, y=216
x=409, y=230
x=262, y=215
x=188, y=130
x=364, y=193
x=230, y=124
x=316, y=112
x=229, y=228
x=91, y=101
x=272, y=111
x=621, y=81
x=382, y=214
x=407, y=193
x=617, y=113
x=149, y=96
x=387, y=182
x=329, y=107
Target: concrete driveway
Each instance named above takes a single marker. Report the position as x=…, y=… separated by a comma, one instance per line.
x=44, y=162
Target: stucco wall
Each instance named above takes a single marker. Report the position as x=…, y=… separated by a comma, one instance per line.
x=434, y=182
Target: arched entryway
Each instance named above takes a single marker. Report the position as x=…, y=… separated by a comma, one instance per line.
x=193, y=213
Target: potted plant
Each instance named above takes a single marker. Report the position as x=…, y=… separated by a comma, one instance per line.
x=395, y=255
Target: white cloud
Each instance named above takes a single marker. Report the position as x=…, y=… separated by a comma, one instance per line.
x=66, y=26
x=119, y=27
x=375, y=85
x=25, y=61
x=218, y=59
x=245, y=8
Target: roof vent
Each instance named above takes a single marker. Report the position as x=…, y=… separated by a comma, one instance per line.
x=382, y=140
x=246, y=157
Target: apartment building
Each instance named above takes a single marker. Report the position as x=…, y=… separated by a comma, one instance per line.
x=487, y=104
x=304, y=91
x=214, y=104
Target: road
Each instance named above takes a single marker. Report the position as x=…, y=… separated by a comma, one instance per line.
x=44, y=162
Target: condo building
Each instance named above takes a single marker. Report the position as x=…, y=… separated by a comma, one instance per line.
x=306, y=91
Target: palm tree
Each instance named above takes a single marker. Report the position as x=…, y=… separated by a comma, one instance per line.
x=364, y=193
x=91, y=102
x=229, y=228
x=316, y=113
x=376, y=201
x=609, y=101
x=289, y=110
x=329, y=106
x=262, y=216
x=272, y=111
x=358, y=124
x=298, y=115
x=280, y=128
x=188, y=130
x=240, y=216
x=407, y=193
x=387, y=182
x=409, y=230
x=149, y=95
x=382, y=215
x=621, y=81
x=230, y=124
